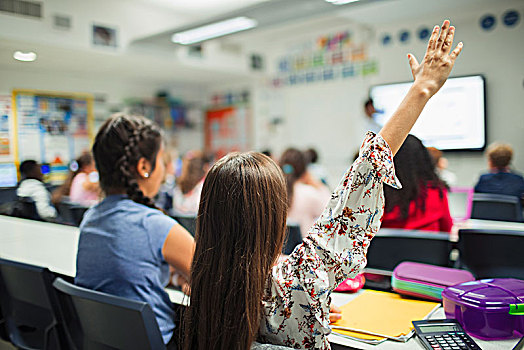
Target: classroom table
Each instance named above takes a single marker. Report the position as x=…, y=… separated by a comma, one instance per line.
x=54, y=246
x=478, y=224
x=46, y=244
x=339, y=342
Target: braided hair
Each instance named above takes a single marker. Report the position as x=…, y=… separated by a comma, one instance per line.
x=119, y=144
x=416, y=172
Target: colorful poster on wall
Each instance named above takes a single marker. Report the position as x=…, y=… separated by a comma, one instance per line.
x=6, y=130
x=52, y=128
x=227, y=130
x=328, y=57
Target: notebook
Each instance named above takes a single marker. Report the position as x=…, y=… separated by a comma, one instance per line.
x=375, y=316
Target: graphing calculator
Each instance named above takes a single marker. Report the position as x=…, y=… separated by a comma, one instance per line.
x=443, y=335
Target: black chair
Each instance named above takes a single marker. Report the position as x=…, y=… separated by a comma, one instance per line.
x=3, y=330
x=29, y=306
x=71, y=213
x=8, y=194
x=293, y=238
x=99, y=321
x=390, y=247
x=25, y=208
x=187, y=222
x=492, y=253
x=498, y=207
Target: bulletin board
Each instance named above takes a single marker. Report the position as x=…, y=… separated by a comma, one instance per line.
x=227, y=130
x=7, y=130
x=52, y=127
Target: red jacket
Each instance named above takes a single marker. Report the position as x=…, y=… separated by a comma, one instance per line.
x=436, y=217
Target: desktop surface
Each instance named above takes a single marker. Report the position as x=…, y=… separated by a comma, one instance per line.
x=54, y=246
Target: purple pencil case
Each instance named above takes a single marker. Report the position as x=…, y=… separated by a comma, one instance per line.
x=487, y=309
x=426, y=281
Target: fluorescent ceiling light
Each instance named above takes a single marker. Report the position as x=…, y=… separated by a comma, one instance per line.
x=24, y=56
x=341, y=2
x=214, y=30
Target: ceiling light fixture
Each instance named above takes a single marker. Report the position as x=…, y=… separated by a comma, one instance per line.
x=213, y=30
x=340, y=2
x=24, y=56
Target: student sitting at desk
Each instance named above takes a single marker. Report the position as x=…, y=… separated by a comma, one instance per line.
x=32, y=186
x=126, y=244
x=500, y=179
x=422, y=203
x=81, y=184
x=238, y=291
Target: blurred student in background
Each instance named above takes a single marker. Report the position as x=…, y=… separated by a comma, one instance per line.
x=307, y=196
x=164, y=198
x=32, y=186
x=441, y=167
x=186, y=195
x=81, y=185
x=422, y=203
x=500, y=179
x=314, y=168
x=370, y=111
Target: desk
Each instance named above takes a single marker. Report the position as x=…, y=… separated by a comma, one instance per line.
x=50, y=245
x=340, y=299
x=485, y=225
x=54, y=246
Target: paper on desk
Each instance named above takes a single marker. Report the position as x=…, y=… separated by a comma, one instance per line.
x=382, y=315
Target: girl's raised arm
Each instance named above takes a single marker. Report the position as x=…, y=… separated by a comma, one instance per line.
x=429, y=77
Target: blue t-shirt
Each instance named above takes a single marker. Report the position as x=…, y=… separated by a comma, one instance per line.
x=120, y=253
x=510, y=184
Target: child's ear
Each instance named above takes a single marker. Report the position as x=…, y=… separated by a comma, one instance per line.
x=143, y=168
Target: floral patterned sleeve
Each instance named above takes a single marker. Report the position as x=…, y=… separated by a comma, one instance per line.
x=298, y=296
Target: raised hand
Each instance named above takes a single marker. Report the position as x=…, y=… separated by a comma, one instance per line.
x=434, y=69
x=429, y=77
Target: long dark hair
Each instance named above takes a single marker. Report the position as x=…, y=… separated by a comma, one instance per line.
x=416, y=172
x=239, y=235
x=76, y=167
x=119, y=144
x=293, y=163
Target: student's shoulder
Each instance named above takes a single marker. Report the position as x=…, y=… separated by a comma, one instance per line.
x=517, y=175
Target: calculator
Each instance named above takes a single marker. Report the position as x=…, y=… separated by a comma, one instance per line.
x=443, y=335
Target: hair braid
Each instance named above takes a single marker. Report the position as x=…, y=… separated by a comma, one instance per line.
x=131, y=156
x=120, y=143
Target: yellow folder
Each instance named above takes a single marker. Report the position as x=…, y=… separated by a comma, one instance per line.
x=381, y=315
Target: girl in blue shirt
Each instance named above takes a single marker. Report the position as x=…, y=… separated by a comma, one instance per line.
x=126, y=244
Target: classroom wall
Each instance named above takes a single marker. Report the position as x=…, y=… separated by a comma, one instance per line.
x=109, y=96
x=329, y=115
x=132, y=19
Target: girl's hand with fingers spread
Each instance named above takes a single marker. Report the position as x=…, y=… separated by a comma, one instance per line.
x=434, y=69
x=429, y=77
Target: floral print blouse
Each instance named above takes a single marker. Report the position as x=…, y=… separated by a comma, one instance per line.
x=298, y=296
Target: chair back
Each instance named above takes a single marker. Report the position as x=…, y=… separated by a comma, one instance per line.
x=71, y=213
x=293, y=238
x=492, y=253
x=29, y=306
x=25, y=208
x=187, y=222
x=7, y=194
x=390, y=247
x=99, y=321
x=498, y=207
